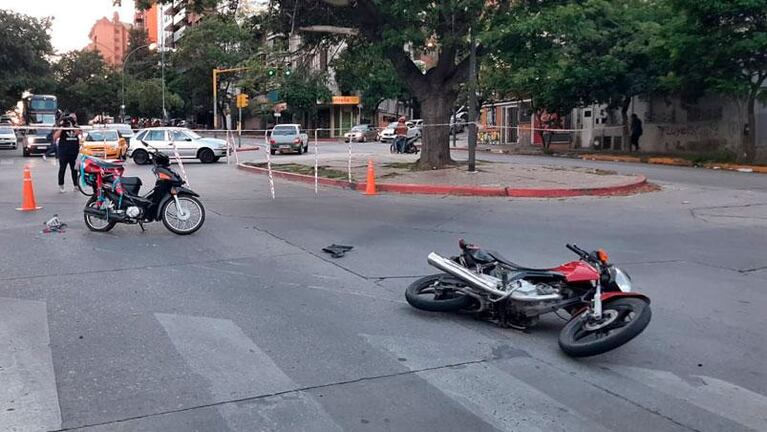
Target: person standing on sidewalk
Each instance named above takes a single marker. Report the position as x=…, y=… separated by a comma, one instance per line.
x=636, y=132
x=68, y=148
x=401, y=135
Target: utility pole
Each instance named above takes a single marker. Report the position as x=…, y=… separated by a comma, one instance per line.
x=472, y=103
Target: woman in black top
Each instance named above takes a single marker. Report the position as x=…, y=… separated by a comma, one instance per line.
x=68, y=140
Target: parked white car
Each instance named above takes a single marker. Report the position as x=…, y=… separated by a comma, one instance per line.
x=388, y=135
x=7, y=137
x=189, y=145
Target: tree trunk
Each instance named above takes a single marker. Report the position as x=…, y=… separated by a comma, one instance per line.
x=625, y=119
x=435, y=148
x=748, y=150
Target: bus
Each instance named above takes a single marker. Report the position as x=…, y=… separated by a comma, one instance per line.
x=38, y=110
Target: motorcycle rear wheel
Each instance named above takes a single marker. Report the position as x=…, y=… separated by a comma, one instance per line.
x=92, y=222
x=424, y=294
x=627, y=316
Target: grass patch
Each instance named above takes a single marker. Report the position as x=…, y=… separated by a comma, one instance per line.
x=723, y=156
x=322, y=170
x=400, y=165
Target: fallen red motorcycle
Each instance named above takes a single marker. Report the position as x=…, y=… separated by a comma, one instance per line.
x=604, y=311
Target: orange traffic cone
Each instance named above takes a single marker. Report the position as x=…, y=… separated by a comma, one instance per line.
x=28, y=193
x=370, y=187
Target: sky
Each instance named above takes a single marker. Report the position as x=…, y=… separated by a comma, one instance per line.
x=73, y=19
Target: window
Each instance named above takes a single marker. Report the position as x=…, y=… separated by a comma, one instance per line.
x=179, y=135
x=107, y=135
x=155, y=135
x=491, y=116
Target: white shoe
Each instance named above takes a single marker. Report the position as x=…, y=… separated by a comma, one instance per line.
x=74, y=188
x=45, y=158
x=61, y=189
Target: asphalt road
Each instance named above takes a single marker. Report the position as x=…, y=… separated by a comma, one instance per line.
x=247, y=325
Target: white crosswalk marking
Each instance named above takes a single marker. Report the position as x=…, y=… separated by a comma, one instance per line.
x=237, y=368
x=28, y=396
x=500, y=399
x=506, y=402
x=719, y=397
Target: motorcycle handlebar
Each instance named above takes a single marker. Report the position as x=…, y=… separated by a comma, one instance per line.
x=580, y=252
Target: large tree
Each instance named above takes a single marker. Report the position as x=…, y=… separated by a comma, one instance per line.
x=24, y=48
x=394, y=26
x=86, y=85
x=217, y=42
x=564, y=54
x=722, y=44
x=362, y=67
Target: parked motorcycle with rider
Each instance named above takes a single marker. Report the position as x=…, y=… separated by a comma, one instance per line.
x=605, y=312
x=115, y=198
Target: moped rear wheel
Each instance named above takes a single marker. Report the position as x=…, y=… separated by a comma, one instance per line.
x=623, y=319
x=437, y=293
x=94, y=223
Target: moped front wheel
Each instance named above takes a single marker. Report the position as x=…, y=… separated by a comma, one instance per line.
x=622, y=319
x=95, y=223
x=184, y=219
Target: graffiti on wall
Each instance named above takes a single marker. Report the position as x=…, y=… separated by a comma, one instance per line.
x=688, y=130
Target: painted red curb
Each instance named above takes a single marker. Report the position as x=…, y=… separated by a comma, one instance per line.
x=435, y=189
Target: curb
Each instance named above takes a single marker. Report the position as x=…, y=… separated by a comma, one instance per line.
x=435, y=189
x=760, y=169
x=247, y=149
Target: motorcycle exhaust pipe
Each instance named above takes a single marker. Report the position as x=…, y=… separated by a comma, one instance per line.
x=464, y=274
x=101, y=214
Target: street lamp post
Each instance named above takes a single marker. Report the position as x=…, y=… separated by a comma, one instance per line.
x=151, y=46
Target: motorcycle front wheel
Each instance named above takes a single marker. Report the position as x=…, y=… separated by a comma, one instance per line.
x=183, y=222
x=623, y=319
x=437, y=293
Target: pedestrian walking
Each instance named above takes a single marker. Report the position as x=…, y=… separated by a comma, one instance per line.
x=401, y=135
x=636, y=131
x=68, y=145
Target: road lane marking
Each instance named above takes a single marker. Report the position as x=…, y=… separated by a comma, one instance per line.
x=717, y=396
x=236, y=368
x=29, y=399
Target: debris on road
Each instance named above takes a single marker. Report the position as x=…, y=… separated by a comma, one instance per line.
x=54, y=224
x=337, y=251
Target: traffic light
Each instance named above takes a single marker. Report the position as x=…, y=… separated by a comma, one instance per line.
x=271, y=72
x=288, y=72
x=242, y=100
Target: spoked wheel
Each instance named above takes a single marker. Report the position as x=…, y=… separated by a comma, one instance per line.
x=84, y=188
x=622, y=319
x=94, y=223
x=437, y=293
x=186, y=219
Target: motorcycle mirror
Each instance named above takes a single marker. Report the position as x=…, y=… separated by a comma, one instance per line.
x=462, y=244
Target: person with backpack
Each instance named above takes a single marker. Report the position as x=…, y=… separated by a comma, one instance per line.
x=68, y=147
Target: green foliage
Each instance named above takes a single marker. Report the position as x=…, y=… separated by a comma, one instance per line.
x=143, y=62
x=86, y=85
x=217, y=42
x=565, y=53
x=24, y=45
x=363, y=67
x=143, y=98
x=303, y=90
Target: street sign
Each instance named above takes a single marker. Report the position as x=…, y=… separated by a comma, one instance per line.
x=278, y=115
x=346, y=100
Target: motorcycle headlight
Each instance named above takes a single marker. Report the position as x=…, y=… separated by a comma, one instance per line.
x=622, y=279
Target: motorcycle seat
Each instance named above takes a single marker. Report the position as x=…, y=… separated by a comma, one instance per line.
x=131, y=184
x=507, y=262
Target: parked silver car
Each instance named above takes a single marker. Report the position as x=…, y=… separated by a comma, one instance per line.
x=189, y=145
x=8, y=138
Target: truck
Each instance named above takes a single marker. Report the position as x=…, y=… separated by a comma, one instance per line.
x=288, y=138
x=39, y=114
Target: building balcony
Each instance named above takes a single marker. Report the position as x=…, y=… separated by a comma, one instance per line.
x=173, y=8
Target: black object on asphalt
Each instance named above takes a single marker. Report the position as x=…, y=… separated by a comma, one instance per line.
x=337, y=251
